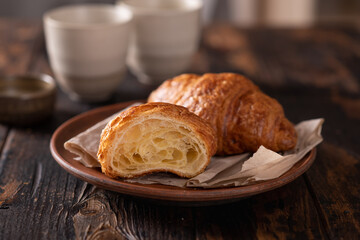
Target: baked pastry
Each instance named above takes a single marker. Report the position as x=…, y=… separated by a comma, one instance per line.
x=244, y=117
x=156, y=137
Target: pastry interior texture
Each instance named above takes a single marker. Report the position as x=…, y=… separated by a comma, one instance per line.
x=244, y=117
x=156, y=137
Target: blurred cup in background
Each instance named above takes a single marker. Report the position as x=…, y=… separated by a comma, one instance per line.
x=165, y=36
x=87, y=46
x=284, y=13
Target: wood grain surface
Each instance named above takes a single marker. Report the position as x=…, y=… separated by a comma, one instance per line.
x=312, y=72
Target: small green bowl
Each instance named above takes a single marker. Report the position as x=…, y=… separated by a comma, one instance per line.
x=26, y=99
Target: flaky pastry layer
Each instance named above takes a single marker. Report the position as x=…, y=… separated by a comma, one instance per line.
x=156, y=137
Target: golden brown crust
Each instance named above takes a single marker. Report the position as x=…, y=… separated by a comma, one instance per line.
x=171, y=112
x=244, y=117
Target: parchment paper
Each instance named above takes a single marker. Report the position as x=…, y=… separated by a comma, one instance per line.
x=227, y=171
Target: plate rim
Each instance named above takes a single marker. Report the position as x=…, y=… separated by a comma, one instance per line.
x=164, y=192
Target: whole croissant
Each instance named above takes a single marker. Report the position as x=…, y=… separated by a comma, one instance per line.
x=243, y=117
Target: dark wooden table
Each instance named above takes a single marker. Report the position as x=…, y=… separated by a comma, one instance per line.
x=312, y=72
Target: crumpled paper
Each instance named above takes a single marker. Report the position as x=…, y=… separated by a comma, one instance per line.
x=236, y=170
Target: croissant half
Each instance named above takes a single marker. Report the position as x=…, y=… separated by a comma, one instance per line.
x=244, y=117
x=156, y=137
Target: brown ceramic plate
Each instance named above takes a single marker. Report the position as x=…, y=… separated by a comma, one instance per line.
x=187, y=196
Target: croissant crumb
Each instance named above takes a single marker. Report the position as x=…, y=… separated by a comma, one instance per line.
x=156, y=137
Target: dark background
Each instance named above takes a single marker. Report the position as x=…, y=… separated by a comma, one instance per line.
x=324, y=11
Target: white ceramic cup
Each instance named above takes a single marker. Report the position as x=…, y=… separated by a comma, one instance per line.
x=87, y=46
x=165, y=36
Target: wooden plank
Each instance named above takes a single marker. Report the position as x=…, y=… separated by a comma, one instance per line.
x=150, y=220
x=288, y=213
x=285, y=213
x=28, y=168
x=104, y=214
x=335, y=182
x=321, y=58
x=231, y=221
x=3, y=135
x=309, y=57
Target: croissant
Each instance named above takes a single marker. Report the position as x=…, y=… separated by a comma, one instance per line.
x=156, y=137
x=244, y=117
